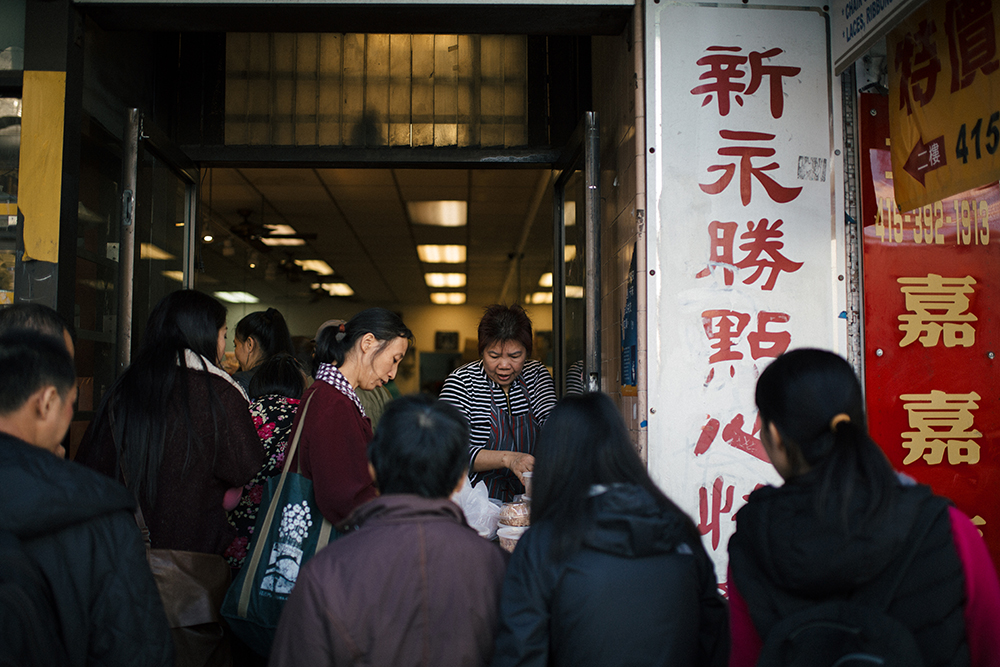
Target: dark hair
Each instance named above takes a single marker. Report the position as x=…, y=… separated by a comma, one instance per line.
x=503, y=323
x=304, y=349
x=332, y=345
x=135, y=406
x=29, y=362
x=280, y=375
x=801, y=392
x=421, y=447
x=585, y=442
x=269, y=331
x=35, y=317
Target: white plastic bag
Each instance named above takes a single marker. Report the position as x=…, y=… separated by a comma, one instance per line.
x=480, y=511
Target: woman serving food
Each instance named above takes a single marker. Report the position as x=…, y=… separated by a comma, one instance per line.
x=506, y=397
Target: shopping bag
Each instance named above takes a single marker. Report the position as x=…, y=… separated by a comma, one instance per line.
x=288, y=534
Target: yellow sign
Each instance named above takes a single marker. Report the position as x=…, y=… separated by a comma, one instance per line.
x=944, y=100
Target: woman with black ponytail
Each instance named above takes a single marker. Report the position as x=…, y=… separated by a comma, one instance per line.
x=364, y=353
x=258, y=337
x=845, y=527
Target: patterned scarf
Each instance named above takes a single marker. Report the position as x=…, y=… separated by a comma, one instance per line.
x=331, y=375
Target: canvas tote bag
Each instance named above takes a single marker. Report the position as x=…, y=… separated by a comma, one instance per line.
x=288, y=534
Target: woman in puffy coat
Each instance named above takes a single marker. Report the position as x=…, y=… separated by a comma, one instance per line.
x=611, y=572
x=844, y=526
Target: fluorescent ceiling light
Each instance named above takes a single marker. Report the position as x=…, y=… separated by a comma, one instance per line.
x=317, y=265
x=441, y=254
x=545, y=280
x=236, y=297
x=174, y=275
x=574, y=291
x=271, y=241
x=445, y=279
x=541, y=297
x=281, y=230
x=335, y=289
x=448, y=298
x=438, y=213
x=150, y=251
x=569, y=253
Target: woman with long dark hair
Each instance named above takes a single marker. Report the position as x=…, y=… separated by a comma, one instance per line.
x=258, y=337
x=176, y=430
x=844, y=525
x=611, y=571
x=363, y=353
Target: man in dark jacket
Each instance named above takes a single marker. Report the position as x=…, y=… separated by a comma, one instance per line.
x=413, y=584
x=75, y=525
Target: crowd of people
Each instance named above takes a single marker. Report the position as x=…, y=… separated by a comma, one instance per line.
x=611, y=572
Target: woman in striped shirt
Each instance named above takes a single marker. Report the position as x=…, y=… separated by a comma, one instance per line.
x=506, y=397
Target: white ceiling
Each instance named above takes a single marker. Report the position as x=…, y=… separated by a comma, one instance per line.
x=364, y=233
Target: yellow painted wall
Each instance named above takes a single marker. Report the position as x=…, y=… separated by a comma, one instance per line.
x=40, y=170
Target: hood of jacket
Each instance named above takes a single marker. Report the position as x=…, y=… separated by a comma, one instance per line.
x=404, y=507
x=628, y=522
x=41, y=493
x=781, y=538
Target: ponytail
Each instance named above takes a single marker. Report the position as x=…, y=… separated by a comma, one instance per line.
x=269, y=329
x=854, y=466
x=334, y=343
x=814, y=400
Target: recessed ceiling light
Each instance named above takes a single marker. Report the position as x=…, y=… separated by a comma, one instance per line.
x=445, y=279
x=569, y=253
x=448, y=298
x=236, y=297
x=441, y=254
x=317, y=265
x=438, y=213
x=574, y=291
x=150, y=251
x=545, y=280
x=335, y=289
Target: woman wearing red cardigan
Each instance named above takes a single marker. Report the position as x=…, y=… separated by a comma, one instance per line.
x=362, y=354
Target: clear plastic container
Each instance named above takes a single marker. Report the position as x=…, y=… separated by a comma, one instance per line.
x=527, y=484
x=515, y=514
x=509, y=535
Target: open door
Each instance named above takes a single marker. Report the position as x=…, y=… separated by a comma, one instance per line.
x=159, y=202
x=576, y=277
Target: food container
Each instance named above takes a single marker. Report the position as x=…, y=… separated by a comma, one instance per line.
x=515, y=514
x=527, y=485
x=509, y=535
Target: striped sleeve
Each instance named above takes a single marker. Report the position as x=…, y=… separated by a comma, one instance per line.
x=459, y=391
x=541, y=389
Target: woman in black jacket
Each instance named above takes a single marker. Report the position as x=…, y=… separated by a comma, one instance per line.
x=611, y=571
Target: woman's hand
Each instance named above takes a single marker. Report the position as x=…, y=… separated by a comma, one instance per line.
x=519, y=463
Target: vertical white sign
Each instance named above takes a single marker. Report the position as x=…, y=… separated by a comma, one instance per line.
x=742, y=238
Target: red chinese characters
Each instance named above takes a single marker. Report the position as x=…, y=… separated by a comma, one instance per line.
x=746, y=153
x=726, y=65
x=762, y=248
x=972, y=44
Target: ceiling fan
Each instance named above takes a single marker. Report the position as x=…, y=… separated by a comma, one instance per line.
x=266, y=234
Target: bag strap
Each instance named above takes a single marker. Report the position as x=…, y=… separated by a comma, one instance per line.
x=254, y=562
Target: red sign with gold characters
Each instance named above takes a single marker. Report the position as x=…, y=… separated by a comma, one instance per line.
x=932, y=288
